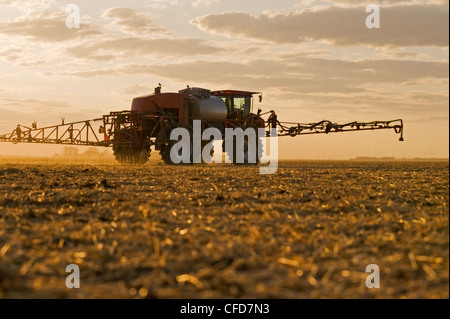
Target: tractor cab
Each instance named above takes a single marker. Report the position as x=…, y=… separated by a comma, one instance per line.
x=239, y=103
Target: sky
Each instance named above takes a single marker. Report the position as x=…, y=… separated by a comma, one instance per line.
x=313, y=60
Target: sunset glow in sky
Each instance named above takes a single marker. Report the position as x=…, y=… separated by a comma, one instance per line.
x=312, y=60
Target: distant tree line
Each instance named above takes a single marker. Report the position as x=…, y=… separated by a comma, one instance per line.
x=91, y=153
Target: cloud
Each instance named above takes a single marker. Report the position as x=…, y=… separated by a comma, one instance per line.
x=132, y=46
x=403, y=25
x=26, y=4
x=384, y=2
x=35, y=105
x=39, y=110
x=316, y=88
x=163, y=4
x=47, y=26
x=300, y=74
x=134, y=90
x=198, y=3
x=133, y=21
x=327, y=88
x=21, y=57
x=11, y=54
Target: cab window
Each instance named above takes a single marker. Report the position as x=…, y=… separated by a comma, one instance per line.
x=236, y=104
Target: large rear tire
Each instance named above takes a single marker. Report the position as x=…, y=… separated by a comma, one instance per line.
x=248, y=158
x=131, y=155
x=166, y=145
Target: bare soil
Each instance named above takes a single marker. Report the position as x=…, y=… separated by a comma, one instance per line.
x=223, y=231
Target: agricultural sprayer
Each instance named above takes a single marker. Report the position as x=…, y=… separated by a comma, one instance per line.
x=152, y=118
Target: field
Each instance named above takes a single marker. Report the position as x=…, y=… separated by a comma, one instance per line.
x=224, y=231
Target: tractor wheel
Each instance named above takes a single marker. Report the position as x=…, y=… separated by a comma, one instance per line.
x=165, y=154
x=132, y=155
x=167, y=145
x=211, y=153
x=248, y=158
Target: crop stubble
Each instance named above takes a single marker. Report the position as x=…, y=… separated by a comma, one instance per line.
x=224, y=231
